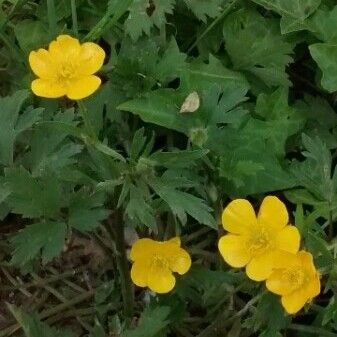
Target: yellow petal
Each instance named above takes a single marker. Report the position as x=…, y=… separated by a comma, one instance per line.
x=180, y=261
x=233, y=250
x=142, y=249
x=65, y=49
x=239, y=217
x=160, y=279
x=47, y=88
x=139, y=272
x=91, y=58
x=41, y=64
x=273, y=213
x=175, y=241
x=313, y=288
x=288, y=239
x=83, y=87
x=307, y=262
x=294, y=301
x=261, y=266
x=278, y=284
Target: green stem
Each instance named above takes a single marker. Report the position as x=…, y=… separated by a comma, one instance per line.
x=213, y=24
x=117, y=228
x=312, y=330
x=86, y=120
x=74, y=17
x=222, y=321
x=49, y=312
x=108, y=20
x=52, y=17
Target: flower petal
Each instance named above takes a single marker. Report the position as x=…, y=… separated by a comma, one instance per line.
x=83, y=87
x=273, y=213
x=313, y=288
x=142, y=249
x=47, y=88
x=41, y=64
x=261, y=266
x=160, y=279
x=175, y=241
x=307, y=261
x=233, y=250
x=294, y=301
x=288, y=239
x=180, y=261
x=91, y=58
x=65, y=48
x=239, y=217
x=139, y=272
x=278, y=284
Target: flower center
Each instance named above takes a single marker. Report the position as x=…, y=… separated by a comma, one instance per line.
x=66, y=72
x=160, y=262
x=258, y=242
x=295, y=277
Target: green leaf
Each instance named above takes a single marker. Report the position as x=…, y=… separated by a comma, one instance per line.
x=325, y=55
x=33, y=327
x=315, y=173
x=152, y=322
x=11, y=124
x=269, y=53
x=201, y=76
x=182, y=202
x=107, y=150
x=245, y=150
x=204, y=8
x=323, y=24
x=139, y=207
x=45, y=237
x=171, y=63
x=293, y=12
x=162, y=107
x=269, y=313
x=140, y=21
x=30, y=196
x=159, y=107
x=86, y=211
x=38, y=34
x=178, y=159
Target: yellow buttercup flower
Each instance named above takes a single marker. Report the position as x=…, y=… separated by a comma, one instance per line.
x=154, y=263
x=296, y=280
x=257, y=241
x=66, y=68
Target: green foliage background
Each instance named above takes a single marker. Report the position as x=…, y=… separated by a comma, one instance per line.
x=266, y=75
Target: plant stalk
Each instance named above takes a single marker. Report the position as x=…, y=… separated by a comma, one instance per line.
x=117, y=228
x=74, y=17
x=52, y=17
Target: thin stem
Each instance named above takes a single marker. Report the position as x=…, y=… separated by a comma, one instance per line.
x=86, y=120
x=50, y=312
x=74, y=17
x=52, y=17
x=108, y=20
x=122, y=264
x=331, y=234
x=221, y=322
x=213, y=24
x=312, y=330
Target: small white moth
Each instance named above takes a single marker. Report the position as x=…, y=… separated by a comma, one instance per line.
x=191, y=103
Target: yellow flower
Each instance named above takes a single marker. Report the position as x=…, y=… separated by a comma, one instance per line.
x=256, y=242
x=154, y=263
x=296, y=280
x=66, y=68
